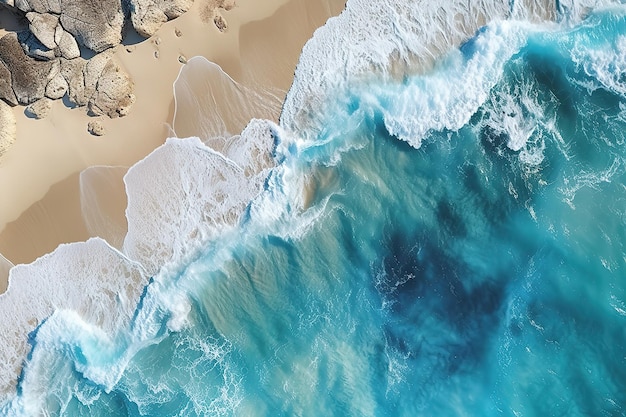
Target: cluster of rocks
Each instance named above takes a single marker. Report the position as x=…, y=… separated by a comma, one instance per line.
x=44, y=62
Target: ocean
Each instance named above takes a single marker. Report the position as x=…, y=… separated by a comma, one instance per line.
x=437, y=226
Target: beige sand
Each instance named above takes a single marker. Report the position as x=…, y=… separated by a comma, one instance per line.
x=39, y=176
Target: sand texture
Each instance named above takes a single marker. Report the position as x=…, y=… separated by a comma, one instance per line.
x=256, y=44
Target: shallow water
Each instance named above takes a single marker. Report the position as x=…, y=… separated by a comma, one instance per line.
x=451, y=243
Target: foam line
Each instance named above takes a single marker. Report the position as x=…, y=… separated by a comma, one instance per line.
x=184, y=193
x=93, y=279
x=392, y=40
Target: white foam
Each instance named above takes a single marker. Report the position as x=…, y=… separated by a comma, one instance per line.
x=93, y=279
x=179, y=196
x=184, y=192
x=66, y=343
x=516, y=113
x=371, y=36
x=448, y=98
x=391, y=39
x=606, y=63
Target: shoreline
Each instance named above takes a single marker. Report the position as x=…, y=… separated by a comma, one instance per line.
x=259, y=49
x=44, y=174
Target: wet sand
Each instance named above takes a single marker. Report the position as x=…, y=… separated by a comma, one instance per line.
x=39, y=176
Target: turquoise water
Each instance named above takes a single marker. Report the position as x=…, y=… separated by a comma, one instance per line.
x=483, y=273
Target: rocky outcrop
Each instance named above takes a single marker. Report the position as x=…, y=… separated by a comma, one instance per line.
x=147, y=16
x=95, y=24
x=113, y=94
x=65, y=24
x=100, y=84
x=54, y=40
x=29, y=77
x=7, y=127
x=44, y=62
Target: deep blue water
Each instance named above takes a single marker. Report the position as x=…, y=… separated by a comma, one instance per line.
x=472, y=276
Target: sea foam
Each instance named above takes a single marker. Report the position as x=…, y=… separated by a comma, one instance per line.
x=180, y=195
x=189, y=191
x=91, y=278
x=397, y=39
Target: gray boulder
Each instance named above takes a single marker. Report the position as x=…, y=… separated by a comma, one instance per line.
x=43, y=26
x=100, y=84
x=95, y=24
x=72, y=71
x=51, y=39
x=114, y=93
x=147, y=16
x=66, y=44
x=39, y=6
x=29, y=77
x=57, y=86
x=6, y=87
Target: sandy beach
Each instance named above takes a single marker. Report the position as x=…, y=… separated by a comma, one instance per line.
x=40, y=177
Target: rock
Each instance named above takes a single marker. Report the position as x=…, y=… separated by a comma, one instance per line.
x=100, y=84
x=220, y=23
x=96, y=128
x=147, y=16
x=39, y=6
x=93, y=71
x=43, y=26
x=34, y=48
x=66, y=44
x=148, y=22
x=57, y=86
x=114, y=93
x=8, y=2
x=48, y=31
x=6, y=89
x=72, y=71
x=8, y=129
x=39, y=109
x=95, y=24
x=29, y=76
